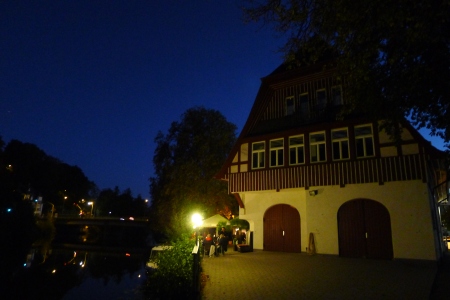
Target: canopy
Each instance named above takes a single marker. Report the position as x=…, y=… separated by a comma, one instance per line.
x=214, y=220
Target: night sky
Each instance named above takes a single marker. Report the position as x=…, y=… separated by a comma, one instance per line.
x=92, y=82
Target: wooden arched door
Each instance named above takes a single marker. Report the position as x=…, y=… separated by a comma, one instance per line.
x=364, y=228
x=282, y=229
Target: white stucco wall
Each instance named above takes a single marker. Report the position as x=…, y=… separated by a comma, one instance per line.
x=407, y=203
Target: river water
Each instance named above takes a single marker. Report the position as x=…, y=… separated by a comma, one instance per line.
x=81, y=274
x=77, y=266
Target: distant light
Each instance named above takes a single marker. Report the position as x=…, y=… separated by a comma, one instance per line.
x=25, y=264
x=54, y=271
x=127, y=254
x=131, y=218
x=8, y=209
x=35, y=200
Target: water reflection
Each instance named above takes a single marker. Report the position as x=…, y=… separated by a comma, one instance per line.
x=88, y=272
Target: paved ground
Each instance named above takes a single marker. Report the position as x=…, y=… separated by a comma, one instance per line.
x=272, y=275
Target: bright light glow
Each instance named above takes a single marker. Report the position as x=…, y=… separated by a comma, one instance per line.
x=197, y=220
x=90, y=203
x=54, y=271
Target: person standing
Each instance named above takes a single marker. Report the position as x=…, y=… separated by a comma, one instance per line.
x=223, y=242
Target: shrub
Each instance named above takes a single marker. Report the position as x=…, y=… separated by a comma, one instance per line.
x=173, y=277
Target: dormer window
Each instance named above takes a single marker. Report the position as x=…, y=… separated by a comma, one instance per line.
x=290, y=106
x=304, y=105
x=321, y=98
x=336, y=94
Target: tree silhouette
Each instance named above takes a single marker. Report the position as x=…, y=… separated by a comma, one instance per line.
x=185, y=162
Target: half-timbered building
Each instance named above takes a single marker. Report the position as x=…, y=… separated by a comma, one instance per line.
x=308, y=181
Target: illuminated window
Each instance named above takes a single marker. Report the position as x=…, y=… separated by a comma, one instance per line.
x=276, y=153
x=296, y=150
x=364, y=141
x=317, y=146
x=290, y=107
x=258, y=150
x=339, y=140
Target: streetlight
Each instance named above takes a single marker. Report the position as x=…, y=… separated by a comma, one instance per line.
x=92, y=207
x=64, y=203
x=197, y=220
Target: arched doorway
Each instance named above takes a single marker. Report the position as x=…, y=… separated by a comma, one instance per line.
x=364, y=228
x=282, y=229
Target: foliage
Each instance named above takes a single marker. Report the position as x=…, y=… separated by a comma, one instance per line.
x=32, y=172
x=393, y=56
x=185, y=162
x=173, y=278
x=225, y=225
x=242, y=224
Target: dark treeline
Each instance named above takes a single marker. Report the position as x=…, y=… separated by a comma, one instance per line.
x=28, y=173
x=114, y=203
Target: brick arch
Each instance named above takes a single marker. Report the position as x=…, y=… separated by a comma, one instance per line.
x=364, y=230
x=282, y=229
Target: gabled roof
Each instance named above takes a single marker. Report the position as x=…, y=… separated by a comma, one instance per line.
x=287, y=75
x=281, y=74
x=214, y=220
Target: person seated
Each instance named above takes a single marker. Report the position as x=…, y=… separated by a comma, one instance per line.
x=207, y=242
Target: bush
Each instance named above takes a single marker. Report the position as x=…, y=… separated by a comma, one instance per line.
x=173, y=277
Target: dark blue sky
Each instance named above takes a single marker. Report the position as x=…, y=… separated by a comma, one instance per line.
x=92, y=82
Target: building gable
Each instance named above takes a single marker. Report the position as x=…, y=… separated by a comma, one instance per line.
x=293, y=138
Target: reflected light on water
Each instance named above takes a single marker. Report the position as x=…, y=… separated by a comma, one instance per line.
x=100, y=274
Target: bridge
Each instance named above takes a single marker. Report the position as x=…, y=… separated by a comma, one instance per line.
x=101, y=232
x=100, y=221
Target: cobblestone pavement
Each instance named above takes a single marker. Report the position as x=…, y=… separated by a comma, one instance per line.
x=273, y=275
